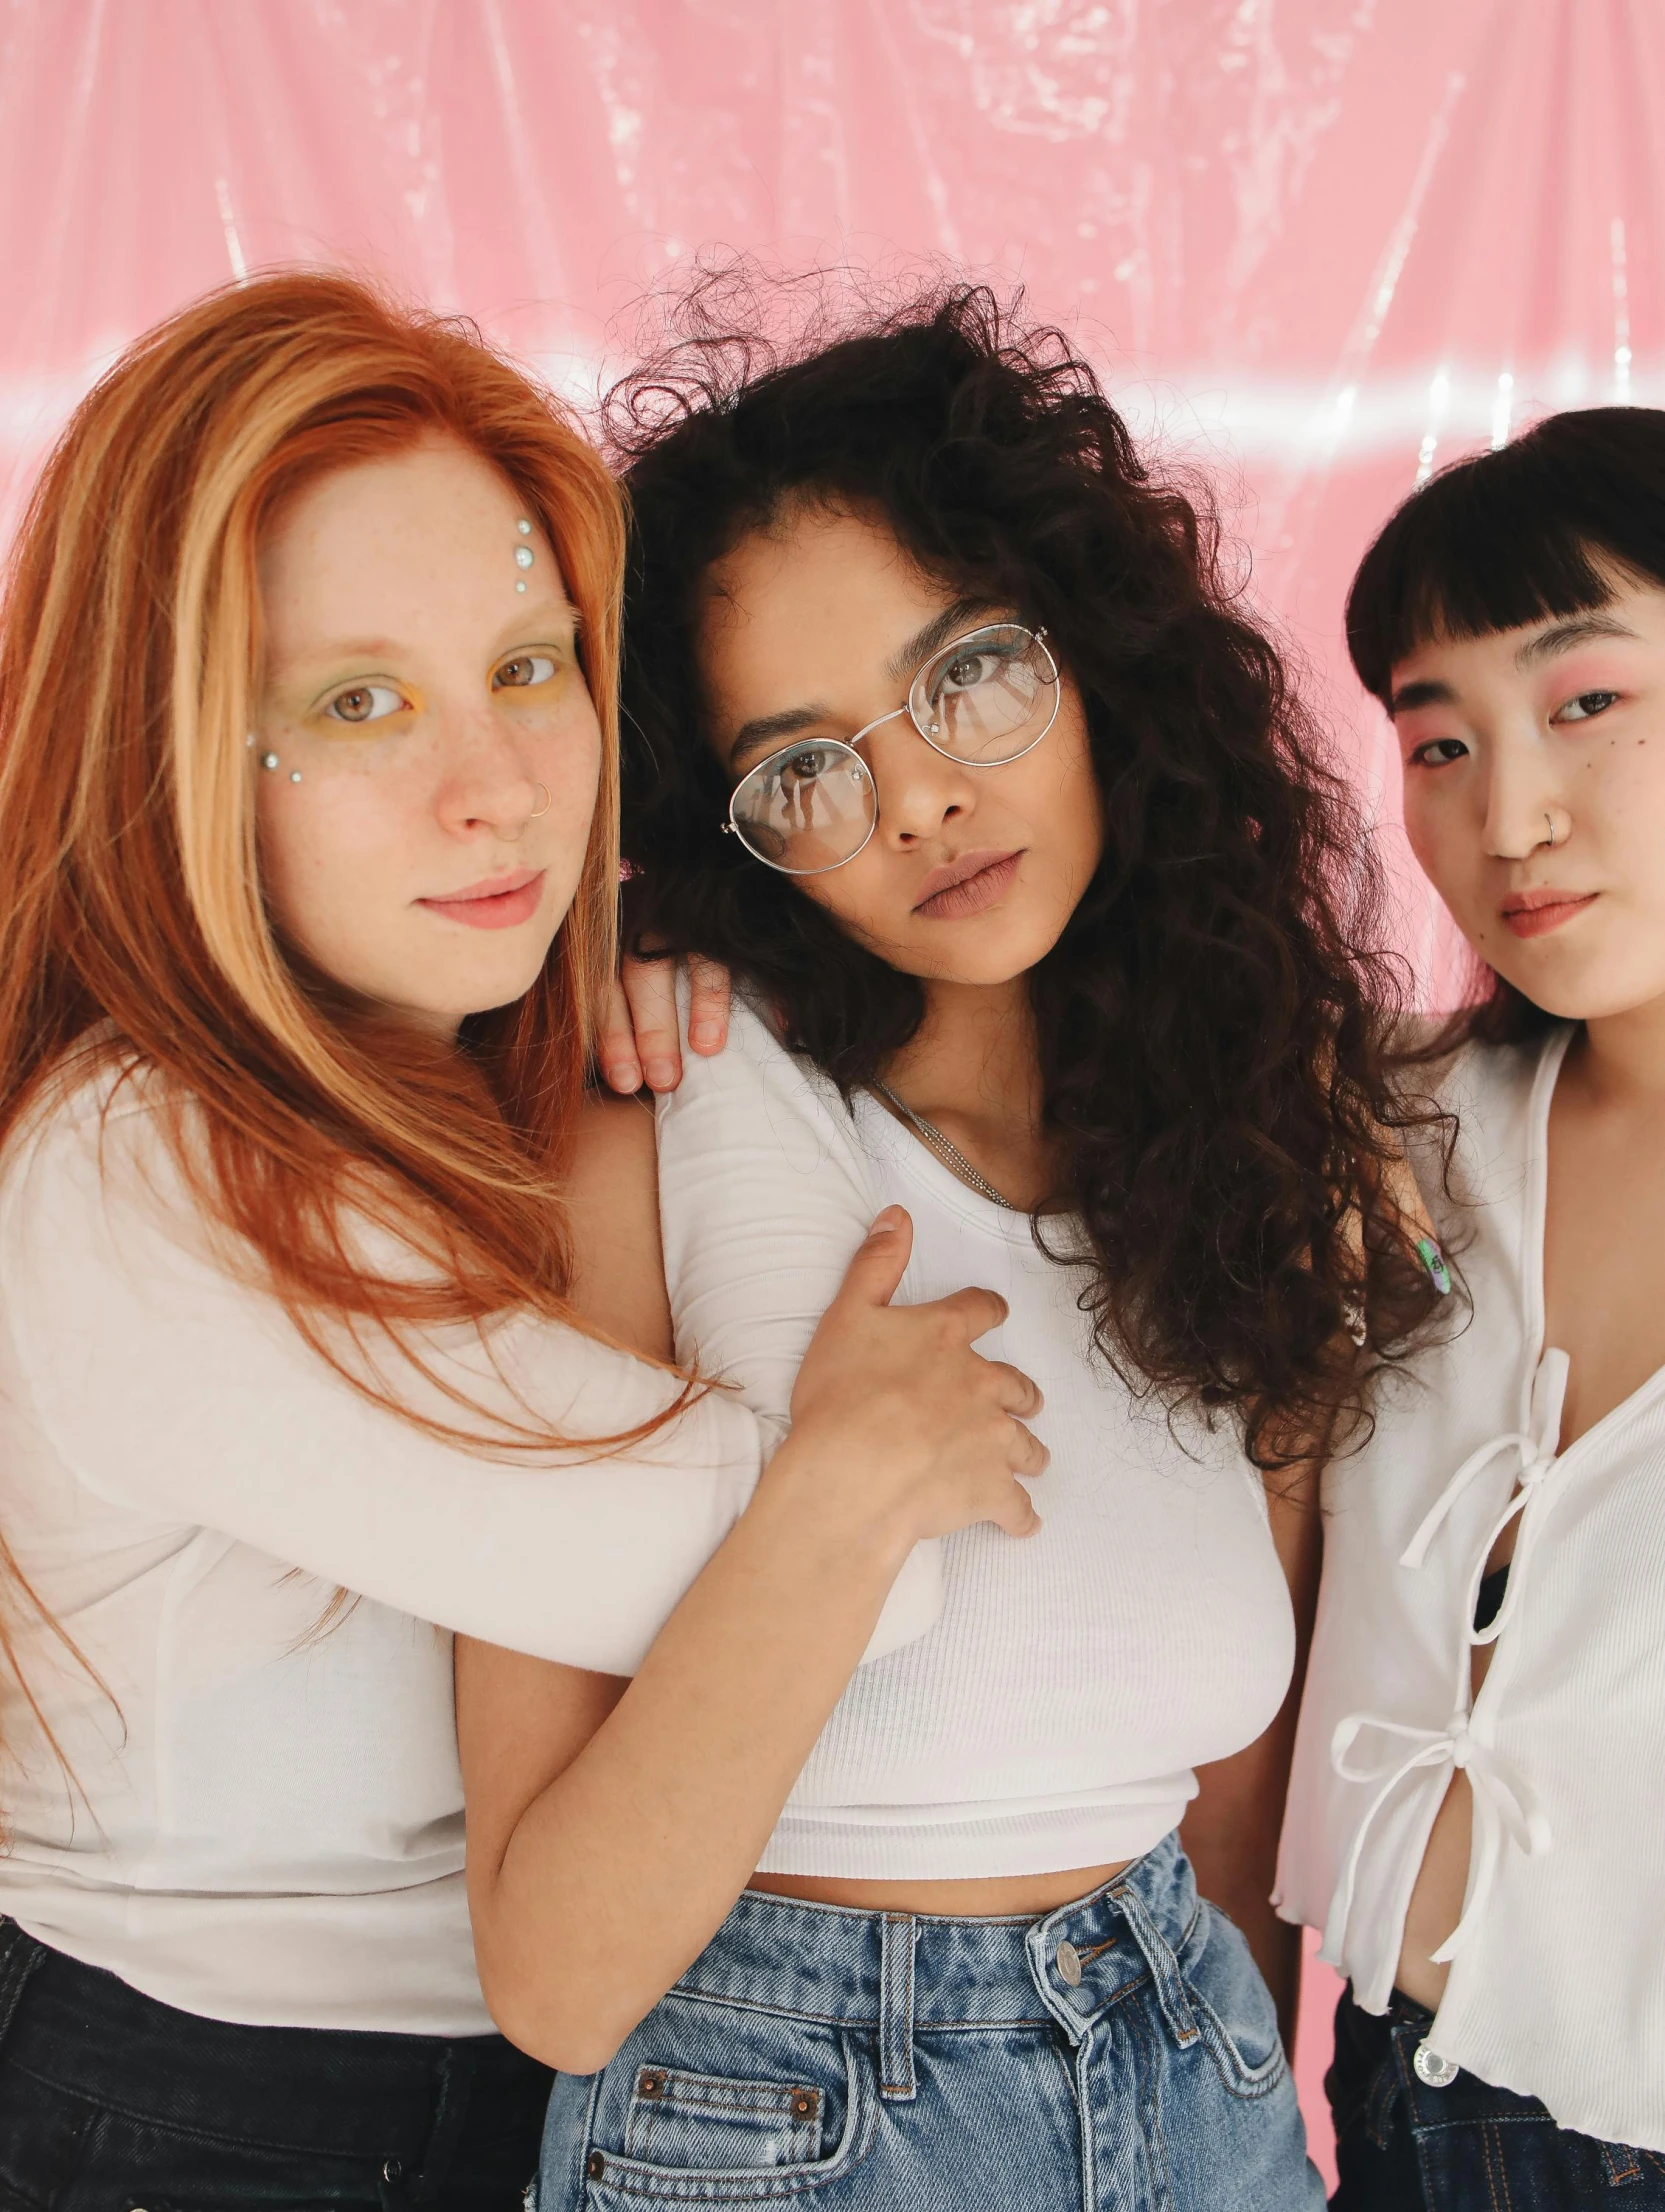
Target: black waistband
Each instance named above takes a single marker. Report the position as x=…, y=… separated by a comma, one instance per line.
x=329, y=2090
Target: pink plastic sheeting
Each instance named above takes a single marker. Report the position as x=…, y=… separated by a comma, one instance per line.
x=1319, y=246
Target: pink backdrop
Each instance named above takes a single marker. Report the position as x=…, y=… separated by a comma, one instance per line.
x=1318, y=246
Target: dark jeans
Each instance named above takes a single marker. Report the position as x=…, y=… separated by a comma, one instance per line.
x=1402, y=2146
x=110, y=2101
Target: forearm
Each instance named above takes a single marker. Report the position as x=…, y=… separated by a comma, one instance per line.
x=1241, y=1888
x=1232, y=1846
x=621, y=1869
x=1231, y=1832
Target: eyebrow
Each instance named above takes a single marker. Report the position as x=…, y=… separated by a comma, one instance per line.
x=1578, y=629
x=374, y=655
x=938, y=632
x=1574, y=631
x=941, y=630
x=1425, y=694
x=762, y=728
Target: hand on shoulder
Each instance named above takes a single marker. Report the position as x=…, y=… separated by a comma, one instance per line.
x=641, y=1040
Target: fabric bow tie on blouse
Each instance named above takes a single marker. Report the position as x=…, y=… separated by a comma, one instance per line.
x=1503, y=1803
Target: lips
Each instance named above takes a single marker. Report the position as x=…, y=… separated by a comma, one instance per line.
x=1536, y=913
x=497, y=902
x=966, y=885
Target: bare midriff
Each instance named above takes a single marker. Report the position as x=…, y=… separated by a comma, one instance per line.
x=1001, y=1897
x=1437, y=1901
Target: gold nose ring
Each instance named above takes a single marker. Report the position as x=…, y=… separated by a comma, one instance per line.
x=539, y=811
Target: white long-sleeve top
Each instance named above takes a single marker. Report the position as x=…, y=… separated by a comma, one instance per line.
x=257, y=1814
x=1053, y=1715
x=1557, y=1981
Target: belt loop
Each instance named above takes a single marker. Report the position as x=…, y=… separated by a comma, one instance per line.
x=896, y=2076
x=454, y=2081
x=1164, y=1967
x=20, y=1954
x=1620, y=2165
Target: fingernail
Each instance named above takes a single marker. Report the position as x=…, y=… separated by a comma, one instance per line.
x=1433, y=1259
x=625, y=1075
x=661, y=1075
x=704, y=1034
x=887, y=1220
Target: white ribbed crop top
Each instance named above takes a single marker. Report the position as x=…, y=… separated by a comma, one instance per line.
x=1052, y=1716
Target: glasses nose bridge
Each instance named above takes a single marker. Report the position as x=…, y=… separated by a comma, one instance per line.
x=879, y=722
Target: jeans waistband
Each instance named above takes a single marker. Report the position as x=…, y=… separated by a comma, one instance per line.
x=895, y=1972
x=327, y=2090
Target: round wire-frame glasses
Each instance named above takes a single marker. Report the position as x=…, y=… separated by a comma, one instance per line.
x=984, y=700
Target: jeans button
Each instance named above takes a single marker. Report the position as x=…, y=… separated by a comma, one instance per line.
x=393, y=2169
x=1437, y=2072
x=1069, y=1964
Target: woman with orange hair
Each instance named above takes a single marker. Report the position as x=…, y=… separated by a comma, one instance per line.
x=307, y=875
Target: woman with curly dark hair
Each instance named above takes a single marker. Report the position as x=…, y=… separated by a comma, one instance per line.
x=945, y=736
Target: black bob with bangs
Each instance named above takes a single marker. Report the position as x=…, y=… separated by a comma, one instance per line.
x=1515, y=536
x=1529, y=533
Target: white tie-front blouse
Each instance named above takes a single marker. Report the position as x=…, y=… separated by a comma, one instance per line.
x=1557, y=1966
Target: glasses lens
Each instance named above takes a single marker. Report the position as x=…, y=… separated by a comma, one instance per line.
x=987, y=697
x=807, y=809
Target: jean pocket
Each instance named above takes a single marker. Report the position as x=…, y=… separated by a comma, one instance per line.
x=1234, y=2008
x=689, y=2135
x=681, y=2119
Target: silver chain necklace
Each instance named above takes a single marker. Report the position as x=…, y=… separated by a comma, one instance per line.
x=946, y=1151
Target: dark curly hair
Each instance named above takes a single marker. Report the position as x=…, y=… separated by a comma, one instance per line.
x=1529, y=533
x=1211, y=1031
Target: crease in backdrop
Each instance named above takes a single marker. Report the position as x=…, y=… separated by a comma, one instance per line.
x=1316, y=247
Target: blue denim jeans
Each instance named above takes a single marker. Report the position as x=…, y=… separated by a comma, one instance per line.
x=1120, y=2053
x=1404, y=2146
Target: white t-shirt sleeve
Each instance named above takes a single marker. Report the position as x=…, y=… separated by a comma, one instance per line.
x=169, y=1388
x=764, y=1197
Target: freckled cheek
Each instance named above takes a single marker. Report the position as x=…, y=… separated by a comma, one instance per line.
x=560, y=839
x=1618, y=793
x=286, y=837
x=568, y=759
x=331, y=847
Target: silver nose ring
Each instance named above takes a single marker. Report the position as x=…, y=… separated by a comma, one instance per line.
x=1551, y=827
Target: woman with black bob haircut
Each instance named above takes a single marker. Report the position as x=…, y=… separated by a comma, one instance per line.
x=1475, y=1805
x=945, y=735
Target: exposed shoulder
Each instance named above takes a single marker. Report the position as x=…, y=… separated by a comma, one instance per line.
x=613, y=1210
x=615, y=1143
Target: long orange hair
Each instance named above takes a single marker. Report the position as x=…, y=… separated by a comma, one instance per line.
x=130, y=902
